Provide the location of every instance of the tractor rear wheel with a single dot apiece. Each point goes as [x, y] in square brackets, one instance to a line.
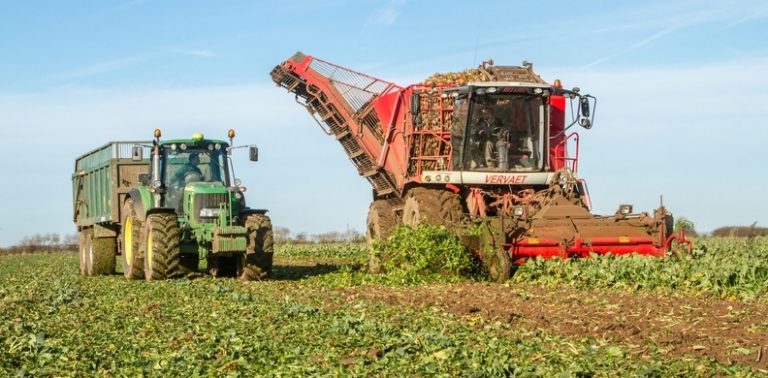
[256, 263]
[101, 257]
[499, 266]
[161, 245]
[432, 206]
[84, 250]
[130, 235]
[379, 226]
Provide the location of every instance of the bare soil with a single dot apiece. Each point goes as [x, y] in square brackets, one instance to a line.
[704, 327]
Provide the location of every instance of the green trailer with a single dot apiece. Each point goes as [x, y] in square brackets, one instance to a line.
[102, 180]
[165, 207]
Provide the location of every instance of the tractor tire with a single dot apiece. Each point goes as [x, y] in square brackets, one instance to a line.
[432, 206]
[101, 259]
[84, 250]
[130, 235]
[499, 266]
[256, 263]
[161, 245]
[379, 226]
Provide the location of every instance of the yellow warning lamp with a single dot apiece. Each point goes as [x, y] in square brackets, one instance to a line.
[557, 84]
[157, 133]
[197, 137]
[231, 135]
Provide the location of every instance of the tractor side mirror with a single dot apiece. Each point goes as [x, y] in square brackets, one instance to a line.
[253, 153]
[137, 153]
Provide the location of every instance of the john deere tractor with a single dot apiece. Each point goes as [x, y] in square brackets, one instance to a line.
[187, 208]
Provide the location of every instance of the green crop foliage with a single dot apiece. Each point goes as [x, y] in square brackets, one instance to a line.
[732, 268]
[56, 323]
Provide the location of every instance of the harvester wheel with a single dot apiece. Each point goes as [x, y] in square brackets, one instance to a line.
[132, 261]
[101, 259]
[381, 221]
[161, 246]
[499, 266]
[422, 205]
[256, 263]
[86, 244]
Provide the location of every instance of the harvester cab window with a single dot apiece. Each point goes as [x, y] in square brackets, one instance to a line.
[504, 133]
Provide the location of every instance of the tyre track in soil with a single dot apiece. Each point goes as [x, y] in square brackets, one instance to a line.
[702, 327]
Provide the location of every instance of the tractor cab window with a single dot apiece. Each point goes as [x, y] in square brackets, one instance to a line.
[504, 132]
[193, 165]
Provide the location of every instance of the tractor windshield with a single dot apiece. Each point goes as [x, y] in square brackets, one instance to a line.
[182, 167]
[498, 132]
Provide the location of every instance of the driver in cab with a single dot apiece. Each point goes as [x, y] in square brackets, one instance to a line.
[189, 172]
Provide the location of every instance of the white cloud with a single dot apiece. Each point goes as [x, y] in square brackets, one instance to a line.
[387, 14]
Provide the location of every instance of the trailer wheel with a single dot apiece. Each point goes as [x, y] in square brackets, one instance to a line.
[101, 259]
[133, 263]
[499, 266]
[85, 245]
[256, 262]
[161, 245]
[379, 225]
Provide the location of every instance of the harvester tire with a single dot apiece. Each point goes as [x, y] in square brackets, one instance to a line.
[256, 263]
[499, 266]
[101, 259]
[85, 245]
[432, 206]
[379, 226]
[161, 245]
[130, 235]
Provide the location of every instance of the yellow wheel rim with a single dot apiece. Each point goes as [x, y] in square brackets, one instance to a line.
[128, 240]
[149, 251]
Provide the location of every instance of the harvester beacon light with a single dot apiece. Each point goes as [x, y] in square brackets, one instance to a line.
[625, 209]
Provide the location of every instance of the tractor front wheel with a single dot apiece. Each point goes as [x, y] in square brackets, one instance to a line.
[256, 263]
[161, 246]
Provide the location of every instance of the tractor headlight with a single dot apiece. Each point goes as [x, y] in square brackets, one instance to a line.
[625, 209]
[238, 182]
[156, 184]
[209, 212]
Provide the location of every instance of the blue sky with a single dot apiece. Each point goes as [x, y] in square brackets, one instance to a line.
[679, 84]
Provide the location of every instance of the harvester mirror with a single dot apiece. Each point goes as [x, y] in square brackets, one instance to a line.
[585, 123]
[584, 106]
[415, 102]
[253, 153]
[137, 153]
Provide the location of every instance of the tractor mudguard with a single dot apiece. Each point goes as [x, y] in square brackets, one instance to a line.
[142, 201]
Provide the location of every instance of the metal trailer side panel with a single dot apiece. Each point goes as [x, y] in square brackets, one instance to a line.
[101, 180]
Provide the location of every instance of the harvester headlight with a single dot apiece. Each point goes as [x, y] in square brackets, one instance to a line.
[491, 90]
[625, 209]
[156, 184]
[427, 178]
[238, 182]
[447, 178]
[518, 211]
[209, 212]
[537, 90]
[438, 177]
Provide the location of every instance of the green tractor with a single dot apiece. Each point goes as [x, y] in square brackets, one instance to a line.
[189, 208]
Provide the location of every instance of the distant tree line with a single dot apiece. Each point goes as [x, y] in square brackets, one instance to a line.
[284, 235]
[50, 242]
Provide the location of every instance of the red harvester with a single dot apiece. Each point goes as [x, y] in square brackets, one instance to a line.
[484, 152]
